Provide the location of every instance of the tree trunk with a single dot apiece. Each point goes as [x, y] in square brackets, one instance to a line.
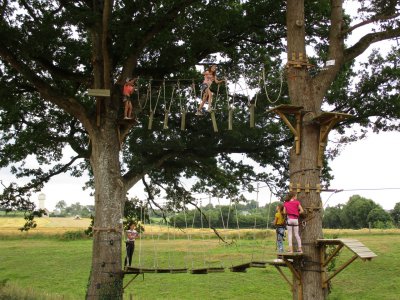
[105, 280]
[303, 167]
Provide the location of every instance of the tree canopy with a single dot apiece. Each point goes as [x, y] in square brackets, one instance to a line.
[47, 54]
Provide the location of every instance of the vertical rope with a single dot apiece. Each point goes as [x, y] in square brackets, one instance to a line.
[222, 216]
[140, 236]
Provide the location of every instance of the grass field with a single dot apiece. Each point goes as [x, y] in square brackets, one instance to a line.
[57, 269]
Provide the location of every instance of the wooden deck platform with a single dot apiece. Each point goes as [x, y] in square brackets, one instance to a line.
[353, 245]
[359, 250]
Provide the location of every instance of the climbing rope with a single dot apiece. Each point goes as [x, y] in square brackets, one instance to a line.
[280, 88]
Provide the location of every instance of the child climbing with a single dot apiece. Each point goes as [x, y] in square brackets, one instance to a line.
[128, 90]
[280, 226]
[292, 209]
[131, 235]
[209, 78]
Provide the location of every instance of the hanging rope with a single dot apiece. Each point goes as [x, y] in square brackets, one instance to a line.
[280, 88]
[148, 95]
[167, 110]
[140, 236]
[152, 111]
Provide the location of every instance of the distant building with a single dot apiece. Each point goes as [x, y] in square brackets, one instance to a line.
[41, 200]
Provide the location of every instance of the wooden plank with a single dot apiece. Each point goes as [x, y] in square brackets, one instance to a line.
[258, 264]
[99, 92]
[353, 245]
[326, 117]
[216, 270]
[277, 262]
[199, 271]
[286, 108]
[291, 254]
[240, 268]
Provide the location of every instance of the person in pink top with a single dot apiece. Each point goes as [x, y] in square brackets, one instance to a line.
[209, 77]
[292, 209]
[128, 90]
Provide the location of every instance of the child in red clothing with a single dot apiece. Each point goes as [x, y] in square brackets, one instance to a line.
[292, 208]
[128, 90]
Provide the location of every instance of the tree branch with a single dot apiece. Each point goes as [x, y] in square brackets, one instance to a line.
[160, 25]
[376, 18]
[131, 178]
[367, 40]
[47, 92]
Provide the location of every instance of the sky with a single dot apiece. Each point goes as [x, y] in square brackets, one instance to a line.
[367, 168]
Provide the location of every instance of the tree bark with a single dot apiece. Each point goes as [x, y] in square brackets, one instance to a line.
[105, 280]
[303, 167]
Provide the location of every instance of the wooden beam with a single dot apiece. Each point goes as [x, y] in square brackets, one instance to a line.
[99, 92]
[282, 111]
[327, 260]
[342, 267]
[327, 121]
[284, 276]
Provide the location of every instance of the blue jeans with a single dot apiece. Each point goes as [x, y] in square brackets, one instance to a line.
[280, 234]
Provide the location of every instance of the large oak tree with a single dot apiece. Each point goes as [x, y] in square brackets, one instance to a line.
[52, 52]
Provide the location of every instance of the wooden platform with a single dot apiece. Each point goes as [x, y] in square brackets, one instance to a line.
[258, 264]
[286, 109]
[240, 268]
[326, 117]
[138, 270]
[207, 270]
[353, 245]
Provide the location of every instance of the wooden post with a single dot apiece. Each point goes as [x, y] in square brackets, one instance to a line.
[183, 119]
[214, 121]
[150, 126]
[166, 119]
[230, 118]
[98, 93]
[252, 118]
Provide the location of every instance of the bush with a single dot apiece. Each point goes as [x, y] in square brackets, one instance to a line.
[73, 235]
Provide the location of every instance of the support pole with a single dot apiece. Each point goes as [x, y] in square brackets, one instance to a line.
[230, 118]
[150, 125]
[214, 121]
[183, 119]
[166, 119]
[252, 117]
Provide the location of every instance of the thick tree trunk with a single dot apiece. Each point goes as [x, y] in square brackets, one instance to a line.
[105, 280]
[304, 166]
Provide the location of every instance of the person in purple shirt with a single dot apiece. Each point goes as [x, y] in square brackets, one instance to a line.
[292, 209]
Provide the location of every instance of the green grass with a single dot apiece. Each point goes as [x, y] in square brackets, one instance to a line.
[56, 269]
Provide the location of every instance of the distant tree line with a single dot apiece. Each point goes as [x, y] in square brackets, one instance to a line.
[360, 212]
[357, 213]
[248, 215]
[76, 209]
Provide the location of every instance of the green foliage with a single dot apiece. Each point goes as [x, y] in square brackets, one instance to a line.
[75, 209]
[357, 213]
[73, 235]
[227, 216]
[395, 214]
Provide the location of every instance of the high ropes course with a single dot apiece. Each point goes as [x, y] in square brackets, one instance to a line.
[183, 96]
[188, 249]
